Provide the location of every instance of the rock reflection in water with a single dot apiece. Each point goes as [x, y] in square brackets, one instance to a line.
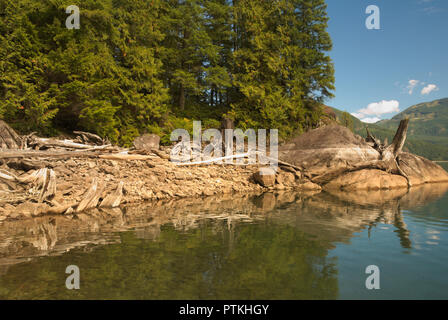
[320, 221]
[333, 216]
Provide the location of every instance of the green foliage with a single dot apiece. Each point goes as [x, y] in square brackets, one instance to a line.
[280, 66]
[347, 120]
[134, 66]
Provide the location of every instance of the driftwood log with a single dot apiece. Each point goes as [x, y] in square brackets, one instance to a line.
[89, 138]
[9, 139]
[42, 181]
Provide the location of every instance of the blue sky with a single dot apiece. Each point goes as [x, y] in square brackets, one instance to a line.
[376, 69]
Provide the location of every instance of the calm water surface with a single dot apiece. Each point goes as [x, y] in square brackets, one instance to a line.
[271, 246]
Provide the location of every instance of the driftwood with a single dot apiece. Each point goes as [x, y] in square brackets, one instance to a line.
[113, 200]
[376, 142]
[49, 189]
[9, 139]
[89, 138]
[160, 154]
[27, 154]
[124, 157]
[91, 197]
[42, 180]
[46, 143]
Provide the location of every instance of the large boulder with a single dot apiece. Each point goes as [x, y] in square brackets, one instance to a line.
[265, 177]
[421, 170]
[367, 179]
[329, 147]
[147, 142]
[335, 148]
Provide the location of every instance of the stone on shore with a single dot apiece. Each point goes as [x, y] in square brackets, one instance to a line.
[147, 142]
[367, 179]
[335, 147]
[265, 177]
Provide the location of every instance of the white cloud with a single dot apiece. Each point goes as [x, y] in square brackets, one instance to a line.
[373, 111]
[371, 120]
[382, 107]
[429, 88]
[357, 115]
[412, 85]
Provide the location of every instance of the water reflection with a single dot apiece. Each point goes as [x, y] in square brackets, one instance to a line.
[265, 246]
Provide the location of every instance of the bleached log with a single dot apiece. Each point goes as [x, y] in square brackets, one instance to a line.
[90, 137]
[49, 190]
[69, 144]
[8, 176]
[113, 200]
[91, 197]
[122, 156]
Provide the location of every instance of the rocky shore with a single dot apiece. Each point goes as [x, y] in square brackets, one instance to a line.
[42, 180]
[152, 178]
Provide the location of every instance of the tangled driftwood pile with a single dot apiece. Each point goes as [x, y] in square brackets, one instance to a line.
[34, 156]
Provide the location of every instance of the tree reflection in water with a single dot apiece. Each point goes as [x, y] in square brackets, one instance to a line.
[269, 246]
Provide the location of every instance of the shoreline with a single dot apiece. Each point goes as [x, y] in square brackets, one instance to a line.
[138, 181]
[85, 183]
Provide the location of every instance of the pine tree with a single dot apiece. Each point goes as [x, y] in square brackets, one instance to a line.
[218, 22]
[185, 49]
[281, 69]
[148, 66]
[24, 103]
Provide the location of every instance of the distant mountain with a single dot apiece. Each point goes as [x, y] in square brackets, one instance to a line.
[428, 128]
[427, 119]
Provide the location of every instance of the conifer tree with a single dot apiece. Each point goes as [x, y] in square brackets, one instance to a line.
[139, 66]
[185, 47]
[281, 68]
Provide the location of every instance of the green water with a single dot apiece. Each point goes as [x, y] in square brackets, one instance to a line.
[272, 246]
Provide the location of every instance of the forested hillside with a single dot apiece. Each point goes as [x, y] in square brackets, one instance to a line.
[425, 118]
[139, 66]
[428, 128]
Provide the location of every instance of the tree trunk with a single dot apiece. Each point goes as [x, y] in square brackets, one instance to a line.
[182, 97]
[394, 150]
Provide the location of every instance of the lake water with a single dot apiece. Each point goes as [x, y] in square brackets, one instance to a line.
[271, 246]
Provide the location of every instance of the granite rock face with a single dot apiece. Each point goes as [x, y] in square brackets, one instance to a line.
[335, 148]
